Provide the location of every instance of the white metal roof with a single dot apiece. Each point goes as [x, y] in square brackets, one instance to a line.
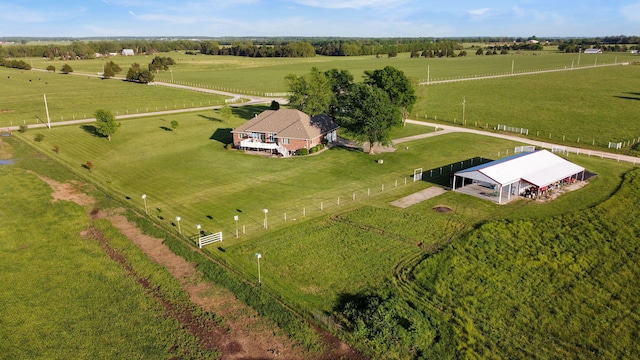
[540, 168]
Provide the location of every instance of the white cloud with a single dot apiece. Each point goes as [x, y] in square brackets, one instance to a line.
[132, 13]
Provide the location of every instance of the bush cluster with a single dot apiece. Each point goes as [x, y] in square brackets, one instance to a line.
[15, 64]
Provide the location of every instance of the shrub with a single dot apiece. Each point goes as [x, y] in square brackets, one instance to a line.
[38, 138]
[229, 146]
[23, 128]
[302, 151]
[56, 148]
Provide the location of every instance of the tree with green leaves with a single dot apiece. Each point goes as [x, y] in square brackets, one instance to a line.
[396, 85]
[66, 69]
[341, 82]
[174, 125]
[226, 112]
[111, 69]
[51, 68]
[106, 124]
[310, 93]
[161, 63]
[138, 74]
[369, 114]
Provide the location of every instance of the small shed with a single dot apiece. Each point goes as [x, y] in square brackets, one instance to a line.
[128, 52]
[519, 174]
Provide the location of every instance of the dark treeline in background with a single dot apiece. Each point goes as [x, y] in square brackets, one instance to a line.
[87, 48]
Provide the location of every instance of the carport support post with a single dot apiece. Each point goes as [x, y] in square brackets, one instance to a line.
[454, 183]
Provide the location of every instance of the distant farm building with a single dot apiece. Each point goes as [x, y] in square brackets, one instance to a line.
[593, 51]
[284, 131]
[528, 174]
[128, 52]
[634, 52]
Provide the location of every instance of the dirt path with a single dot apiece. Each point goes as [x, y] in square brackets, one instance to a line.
[244, 334]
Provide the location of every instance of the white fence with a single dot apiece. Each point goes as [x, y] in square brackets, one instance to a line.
[209, 239]
[521, 149]
[559, 149]
[513, 129]
[614, 145]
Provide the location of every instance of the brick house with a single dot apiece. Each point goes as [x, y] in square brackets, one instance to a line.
[284, 131]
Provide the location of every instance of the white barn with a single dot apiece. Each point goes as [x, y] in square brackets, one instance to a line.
[128, 52]
[519, 174]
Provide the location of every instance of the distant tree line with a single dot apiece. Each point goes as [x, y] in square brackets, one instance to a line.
[300, 47]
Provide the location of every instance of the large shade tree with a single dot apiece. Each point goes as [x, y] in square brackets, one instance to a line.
[396, 85]
[368, 113]
[310, 93]
[106, 124]
[341, 82]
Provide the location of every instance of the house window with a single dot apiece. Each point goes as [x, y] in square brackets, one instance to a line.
[272, 137]
[285, 141]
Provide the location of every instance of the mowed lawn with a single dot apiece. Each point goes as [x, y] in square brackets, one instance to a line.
[583, 106]
[188, 172]
[71, 97]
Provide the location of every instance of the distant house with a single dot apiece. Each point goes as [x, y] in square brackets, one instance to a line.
[284, 131]
[128, 52]
[113, 54]
[593, 51]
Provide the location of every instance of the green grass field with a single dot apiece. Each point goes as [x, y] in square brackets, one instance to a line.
[445, 278]
[71, 97]
[316, 258]
[541, 103]
[584, 106]
[61, 294]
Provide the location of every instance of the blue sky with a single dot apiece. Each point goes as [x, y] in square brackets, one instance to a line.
[344, 18]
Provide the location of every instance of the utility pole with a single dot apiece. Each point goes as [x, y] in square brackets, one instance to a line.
[464, 101]
[46, 107]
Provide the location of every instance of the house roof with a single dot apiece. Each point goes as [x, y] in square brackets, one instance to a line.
[540, 168]
[288, 123]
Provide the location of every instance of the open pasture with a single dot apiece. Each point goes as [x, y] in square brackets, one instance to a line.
[267, 75]
[585, 107]
[578, 108]
[73, 97]
[317, 263]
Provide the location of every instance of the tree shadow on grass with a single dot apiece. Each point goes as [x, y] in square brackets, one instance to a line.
[165, 128]
[249, 111]
[90, 129]
[631, 96]
[443, 175]
[210, 118]
[222, 135]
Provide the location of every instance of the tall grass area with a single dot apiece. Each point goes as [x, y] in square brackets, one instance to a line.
[71, 97]
[61, 294]
[559, 287]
